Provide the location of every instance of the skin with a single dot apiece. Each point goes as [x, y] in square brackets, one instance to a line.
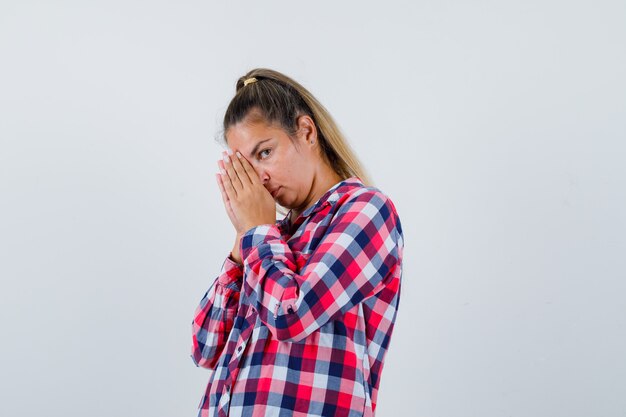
[245, 181]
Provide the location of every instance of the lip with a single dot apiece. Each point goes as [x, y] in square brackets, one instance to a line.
[274, 192]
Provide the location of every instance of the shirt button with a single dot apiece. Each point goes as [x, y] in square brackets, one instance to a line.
[239, 349]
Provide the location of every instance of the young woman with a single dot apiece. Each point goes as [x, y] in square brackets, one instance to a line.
[299, 319]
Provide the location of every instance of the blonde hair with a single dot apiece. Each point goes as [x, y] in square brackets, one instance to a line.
[277, 99]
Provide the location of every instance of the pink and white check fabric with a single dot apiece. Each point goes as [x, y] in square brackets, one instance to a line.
[303, 326]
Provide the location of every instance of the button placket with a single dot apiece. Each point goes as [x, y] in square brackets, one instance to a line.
[243, 339]
[240, 350]
[225, 397]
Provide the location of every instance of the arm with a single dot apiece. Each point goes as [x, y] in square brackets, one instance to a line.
[214, 317]
[353, 262]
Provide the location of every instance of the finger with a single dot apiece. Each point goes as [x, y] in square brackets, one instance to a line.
[232, 174]
[252, 174]
[228, 188]
[227, 206]
[240, 169]
[226, 182]
[221, 187]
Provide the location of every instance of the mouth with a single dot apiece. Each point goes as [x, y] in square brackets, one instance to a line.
[274, 192]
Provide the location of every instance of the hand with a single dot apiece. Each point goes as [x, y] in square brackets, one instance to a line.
[247, 201]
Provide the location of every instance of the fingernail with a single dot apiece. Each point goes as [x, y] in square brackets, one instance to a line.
[223, 172]
[226, 158]
[230, 151]
[238, 154]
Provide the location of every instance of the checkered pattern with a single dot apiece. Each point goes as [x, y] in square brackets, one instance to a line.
[303, 326]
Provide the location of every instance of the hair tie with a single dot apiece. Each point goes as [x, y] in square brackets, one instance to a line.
[249, 81]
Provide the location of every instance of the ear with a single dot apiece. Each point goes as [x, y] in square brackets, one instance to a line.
[307, 131]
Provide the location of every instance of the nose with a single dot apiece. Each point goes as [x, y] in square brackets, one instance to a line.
[262, 173]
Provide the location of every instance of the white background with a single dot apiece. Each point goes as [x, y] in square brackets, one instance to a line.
[497, 128]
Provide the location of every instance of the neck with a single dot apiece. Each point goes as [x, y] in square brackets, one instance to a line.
[321, 183]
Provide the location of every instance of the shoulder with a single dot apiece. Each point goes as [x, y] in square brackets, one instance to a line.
[369, 215]
[368, 200]
[365, 193]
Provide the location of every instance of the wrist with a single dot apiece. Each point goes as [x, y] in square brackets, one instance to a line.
[235, 259]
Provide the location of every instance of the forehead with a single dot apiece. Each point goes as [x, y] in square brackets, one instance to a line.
[246, 134]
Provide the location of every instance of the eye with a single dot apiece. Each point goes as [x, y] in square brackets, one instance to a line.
[264, 150]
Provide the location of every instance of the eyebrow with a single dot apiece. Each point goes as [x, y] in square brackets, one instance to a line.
[256, 147]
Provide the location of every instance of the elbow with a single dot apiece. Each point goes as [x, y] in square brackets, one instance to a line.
[203, 362]
[203, 356]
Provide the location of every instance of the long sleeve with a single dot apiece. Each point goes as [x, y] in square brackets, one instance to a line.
[214, 316]
[354, 260]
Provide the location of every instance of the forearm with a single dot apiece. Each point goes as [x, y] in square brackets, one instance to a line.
[214, 316]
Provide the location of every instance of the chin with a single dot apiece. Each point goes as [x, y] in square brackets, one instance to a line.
[281, 201]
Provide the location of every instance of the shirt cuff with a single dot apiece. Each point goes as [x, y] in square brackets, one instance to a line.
[256, 236]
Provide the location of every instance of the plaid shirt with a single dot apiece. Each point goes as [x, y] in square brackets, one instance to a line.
[303, 326]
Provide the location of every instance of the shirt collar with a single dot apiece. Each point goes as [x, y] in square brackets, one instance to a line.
[329, 197]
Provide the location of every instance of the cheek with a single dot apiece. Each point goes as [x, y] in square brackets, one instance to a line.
[259, 169]
[286, 168]
[288, 172]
